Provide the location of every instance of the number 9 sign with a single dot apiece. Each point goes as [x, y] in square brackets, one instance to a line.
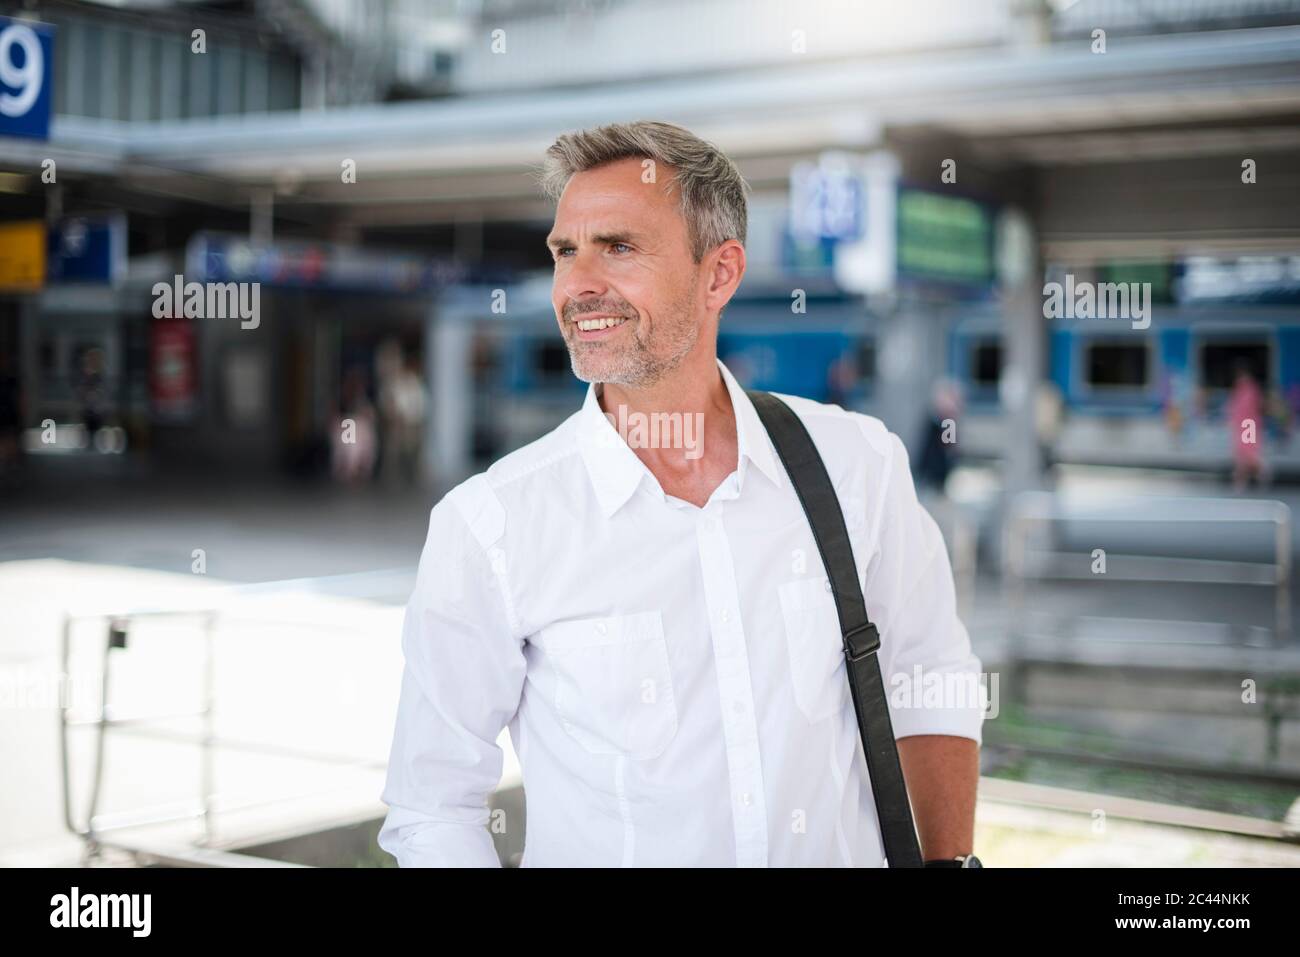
[26, 58]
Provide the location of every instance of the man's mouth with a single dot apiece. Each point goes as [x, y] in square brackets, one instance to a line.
[598, 327]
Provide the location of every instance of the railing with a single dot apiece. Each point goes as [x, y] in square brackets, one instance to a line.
[1153, 664]
[1039, 511]
[92, 825]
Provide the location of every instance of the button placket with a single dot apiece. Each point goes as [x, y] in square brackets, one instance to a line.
[740, 731]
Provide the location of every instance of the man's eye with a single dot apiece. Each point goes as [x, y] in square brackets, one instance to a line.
[620, 247]
[562, 250]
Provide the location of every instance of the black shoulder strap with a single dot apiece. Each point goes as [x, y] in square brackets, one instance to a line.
[861, 640]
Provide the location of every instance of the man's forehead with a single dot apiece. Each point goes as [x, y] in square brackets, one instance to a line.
[606, 200]
[618, 182]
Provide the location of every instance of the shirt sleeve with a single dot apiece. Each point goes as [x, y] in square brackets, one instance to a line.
[932, 677]
[461, 685]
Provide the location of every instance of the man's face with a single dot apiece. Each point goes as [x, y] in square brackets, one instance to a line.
[624, 271]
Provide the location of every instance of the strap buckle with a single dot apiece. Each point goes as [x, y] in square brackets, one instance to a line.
[861, 641]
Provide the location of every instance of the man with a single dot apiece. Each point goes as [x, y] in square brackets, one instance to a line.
[651, 619]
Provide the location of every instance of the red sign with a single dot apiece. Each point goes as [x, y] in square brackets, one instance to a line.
[173, 368]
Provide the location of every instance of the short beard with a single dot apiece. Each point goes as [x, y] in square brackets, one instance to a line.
[636, 365]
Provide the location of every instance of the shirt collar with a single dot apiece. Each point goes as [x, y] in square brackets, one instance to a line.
[615, 470]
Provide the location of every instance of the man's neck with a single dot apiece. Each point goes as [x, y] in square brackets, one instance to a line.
[695, 389]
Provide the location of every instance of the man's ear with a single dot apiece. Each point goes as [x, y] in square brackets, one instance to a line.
[726, 267]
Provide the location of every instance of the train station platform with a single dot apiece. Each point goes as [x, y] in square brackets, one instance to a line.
[311, 581]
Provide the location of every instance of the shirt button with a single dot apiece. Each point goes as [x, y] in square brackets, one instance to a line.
[600, 628]
[726, 615]
[737, 707]
[746, 800]
[828, 584]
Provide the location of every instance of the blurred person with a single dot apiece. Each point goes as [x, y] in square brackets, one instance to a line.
[938, 440]
[1048, 419]
[653, 625]
[91, 392]
[841, 377]
[413, 406]
[1245, 408]
[355, 432]
[1174, 400]
[1173, 418]
[402, 404]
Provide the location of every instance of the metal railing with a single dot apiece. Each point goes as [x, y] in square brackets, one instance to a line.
[92, 825]
[1038, 511]
[1172, 665]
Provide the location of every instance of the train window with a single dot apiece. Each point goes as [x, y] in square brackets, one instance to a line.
[1220, 359]
[986, 363]
[551, 360]
[1117, 365]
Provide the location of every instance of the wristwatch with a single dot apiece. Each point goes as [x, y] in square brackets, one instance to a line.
[965, 860]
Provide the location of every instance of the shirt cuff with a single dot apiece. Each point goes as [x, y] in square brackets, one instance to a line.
[425, 843]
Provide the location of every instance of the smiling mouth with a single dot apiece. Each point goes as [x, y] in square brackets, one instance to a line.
[603, 322]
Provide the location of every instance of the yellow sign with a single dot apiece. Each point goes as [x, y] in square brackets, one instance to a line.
[22, 256]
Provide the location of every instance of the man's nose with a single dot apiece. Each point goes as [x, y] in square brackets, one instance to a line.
[583, 278]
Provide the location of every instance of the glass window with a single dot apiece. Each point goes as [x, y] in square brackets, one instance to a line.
[986, 363]
[1117, 365]
[1220, 359]
[551, 360]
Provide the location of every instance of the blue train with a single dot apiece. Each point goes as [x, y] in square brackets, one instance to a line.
[1113, 395]
[1148, 397]
[525, 386]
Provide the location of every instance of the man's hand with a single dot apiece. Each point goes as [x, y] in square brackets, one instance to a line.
[942, 773]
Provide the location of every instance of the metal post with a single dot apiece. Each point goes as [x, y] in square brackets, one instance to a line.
[1282, 608]
[115, 638]
[64, 708]
[208, 768]
[451, 425]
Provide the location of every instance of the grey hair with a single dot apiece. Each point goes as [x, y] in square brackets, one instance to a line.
[712, 190]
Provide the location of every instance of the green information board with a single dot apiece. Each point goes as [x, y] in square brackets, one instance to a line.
[946, 238]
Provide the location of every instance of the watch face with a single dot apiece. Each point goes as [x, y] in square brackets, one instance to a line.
[971, 861]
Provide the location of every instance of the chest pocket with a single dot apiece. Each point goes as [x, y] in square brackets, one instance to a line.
[816, 649]
[613, 685]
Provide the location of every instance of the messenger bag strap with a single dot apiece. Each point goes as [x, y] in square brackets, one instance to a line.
[817, 495]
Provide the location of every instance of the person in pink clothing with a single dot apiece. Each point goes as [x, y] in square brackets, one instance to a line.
[1246, 424]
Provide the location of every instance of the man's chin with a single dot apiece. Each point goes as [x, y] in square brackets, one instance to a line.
[587, 374]
[588, 368]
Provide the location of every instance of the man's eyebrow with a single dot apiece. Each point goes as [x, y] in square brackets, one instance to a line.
[618, 236]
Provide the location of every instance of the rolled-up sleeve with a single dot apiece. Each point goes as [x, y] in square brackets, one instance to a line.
[461, 685]
[932, 677]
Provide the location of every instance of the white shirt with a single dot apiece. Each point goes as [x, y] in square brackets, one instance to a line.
[672, 676]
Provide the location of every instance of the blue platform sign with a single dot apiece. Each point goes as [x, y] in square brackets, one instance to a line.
[826, 200]
[88, 249]
[26, 78]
